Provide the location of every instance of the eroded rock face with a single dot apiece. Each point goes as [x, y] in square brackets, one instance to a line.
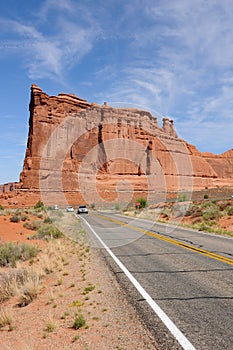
[222, 165]
[78, 151]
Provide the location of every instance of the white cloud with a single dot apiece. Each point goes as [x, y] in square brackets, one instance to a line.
[50, 51]
[175, 57]
[54, 5]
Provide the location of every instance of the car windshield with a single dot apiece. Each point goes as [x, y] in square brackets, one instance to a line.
[82, 206]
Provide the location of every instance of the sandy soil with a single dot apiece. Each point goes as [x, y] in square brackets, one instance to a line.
[12, 231]
[80, 283]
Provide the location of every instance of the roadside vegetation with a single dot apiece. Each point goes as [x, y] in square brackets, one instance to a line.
[207, 215]
[30, 271]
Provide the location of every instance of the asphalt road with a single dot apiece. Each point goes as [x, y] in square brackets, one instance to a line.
[187, 273]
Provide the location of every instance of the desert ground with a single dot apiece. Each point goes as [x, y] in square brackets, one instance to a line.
[56, 291]
[62, 296]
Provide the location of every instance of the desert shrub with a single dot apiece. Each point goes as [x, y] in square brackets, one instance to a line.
[211, 213]
[50, 326]
[142, 201]
[29, 291]
[11, 252]
[79, 321]
[47, 231]
[48, 220]
[15, 218]
[206, 204]
[1, 207]
[117, 206]
[10, 281]
[204, 227]
[14, 281]
[5, 317]
[39, 206]
[92, 205]
[24, 218]
[7, 286]
[88, 289]
[33, 225]
[229, 210]
[206, 196]
[182, 197]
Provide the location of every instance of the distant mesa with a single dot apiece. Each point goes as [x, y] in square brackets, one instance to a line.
[122, 152]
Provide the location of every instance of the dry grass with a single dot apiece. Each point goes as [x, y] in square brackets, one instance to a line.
[11, 281]
[51, 324]
[11, 252]
[26, 281]
[6, 317]
[30, 290]
[62, 269]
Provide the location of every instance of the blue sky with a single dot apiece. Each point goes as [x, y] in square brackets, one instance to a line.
[172, 57]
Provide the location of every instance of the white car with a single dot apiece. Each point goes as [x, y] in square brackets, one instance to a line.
[82, 209]
[70, 209]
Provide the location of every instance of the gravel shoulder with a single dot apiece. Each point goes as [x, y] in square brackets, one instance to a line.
[80, 283]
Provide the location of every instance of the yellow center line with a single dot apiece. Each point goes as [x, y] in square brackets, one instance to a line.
[171, 240]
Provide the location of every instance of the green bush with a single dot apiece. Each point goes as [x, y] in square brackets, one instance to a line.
[46, 232]
[142, 201]
[79, 321]
[206, 196]
[11, 252]
[207, 204]
[33, 225]
[182, 197]
[230, 210]
[1, 207]
[203, 227]
[39, 205]
[211, 213]
[117, 206]
[24, 217]
[15, 218]
[48, 220]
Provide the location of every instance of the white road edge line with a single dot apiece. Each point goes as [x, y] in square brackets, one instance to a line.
[179, 336]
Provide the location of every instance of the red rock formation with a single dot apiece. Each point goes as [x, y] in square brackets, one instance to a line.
[222, 165]
[78, 151]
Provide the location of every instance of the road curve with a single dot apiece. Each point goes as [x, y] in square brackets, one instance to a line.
[187, 273]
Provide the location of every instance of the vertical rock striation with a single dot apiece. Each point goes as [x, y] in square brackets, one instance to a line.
[95, 153]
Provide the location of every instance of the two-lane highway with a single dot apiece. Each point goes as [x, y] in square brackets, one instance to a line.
[188, 274]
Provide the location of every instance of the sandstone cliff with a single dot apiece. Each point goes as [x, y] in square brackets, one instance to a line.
[222, 165]
[78, 151]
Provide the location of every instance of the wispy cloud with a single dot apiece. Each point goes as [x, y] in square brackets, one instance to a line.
[54, 5]
[175, 57]
[49, 51]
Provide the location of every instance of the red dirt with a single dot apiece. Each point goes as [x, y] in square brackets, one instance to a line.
[112, 322]
[13, 231]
